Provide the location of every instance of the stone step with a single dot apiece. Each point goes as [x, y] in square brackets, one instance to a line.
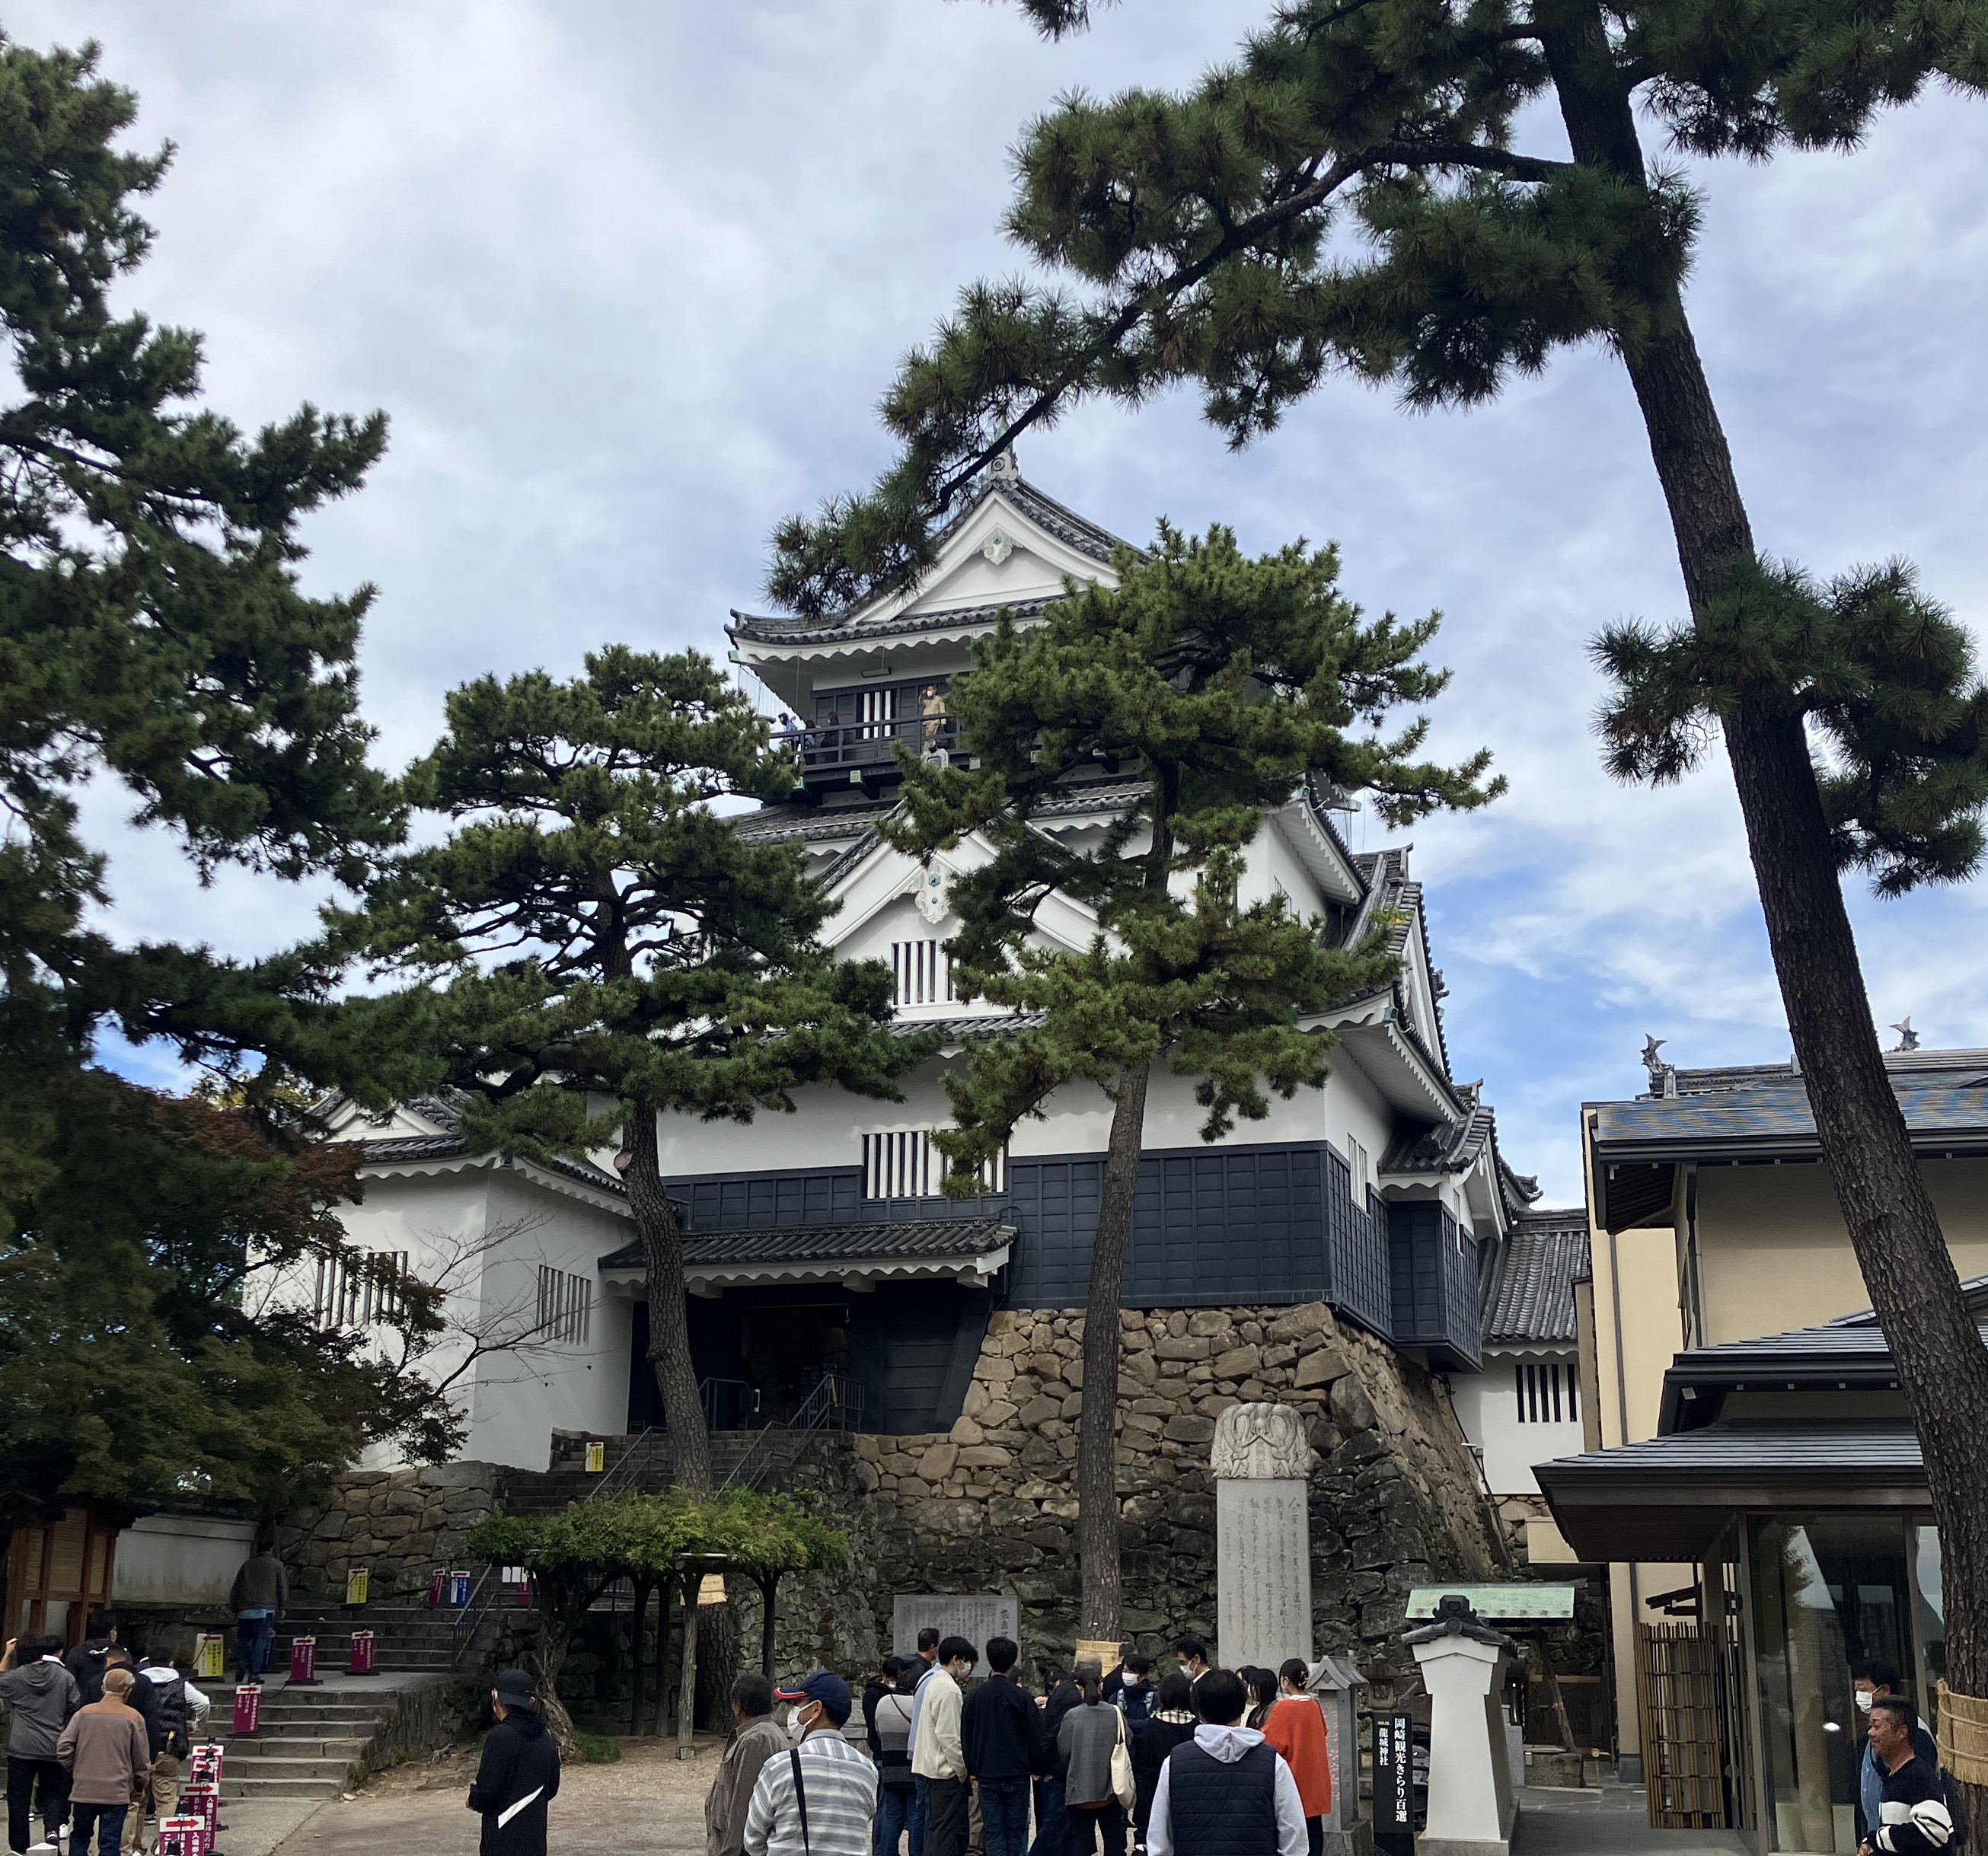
[246, 1791]
[249, 1755]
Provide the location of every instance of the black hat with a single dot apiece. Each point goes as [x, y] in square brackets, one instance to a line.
[514, 1689]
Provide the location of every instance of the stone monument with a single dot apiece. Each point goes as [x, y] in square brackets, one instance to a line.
[1472, 1804]
[1263, 1537]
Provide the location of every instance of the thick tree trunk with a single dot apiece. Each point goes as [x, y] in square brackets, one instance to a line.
[717, 1665]
[1101, 1609]
[1893, 1227]
[669, 1314]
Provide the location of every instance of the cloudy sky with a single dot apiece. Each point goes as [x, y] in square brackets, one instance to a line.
[629, 279]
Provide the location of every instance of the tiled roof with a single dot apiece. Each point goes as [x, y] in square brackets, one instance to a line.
[770, 629]
[957, 1238]
[1054, 518]
[808, 824]
[1852, 1451]
[445, 1110]
[1773, 1116]
[1529, 1295]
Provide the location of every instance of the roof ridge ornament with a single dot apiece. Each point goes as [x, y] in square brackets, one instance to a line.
[1908, 1039]
[1663, 1076]
[1004, 469]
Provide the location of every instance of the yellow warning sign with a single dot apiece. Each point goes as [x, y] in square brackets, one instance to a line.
[596, 1458]
[355, 1586]
[210, 1656]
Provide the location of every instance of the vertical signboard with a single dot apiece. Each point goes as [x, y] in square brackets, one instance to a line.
[1394, 1784]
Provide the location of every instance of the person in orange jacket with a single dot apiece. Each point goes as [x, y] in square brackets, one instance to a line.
[1296, 1726]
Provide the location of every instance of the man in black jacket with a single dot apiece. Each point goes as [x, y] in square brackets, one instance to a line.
[1914, 1819]
[997, 1732]
[519, 1775]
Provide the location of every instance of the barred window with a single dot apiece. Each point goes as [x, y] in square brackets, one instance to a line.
[346, 1298]
[905, 1164]
[566, 1305]
[922, 971]
[1547, 1394]
[1359, 1172]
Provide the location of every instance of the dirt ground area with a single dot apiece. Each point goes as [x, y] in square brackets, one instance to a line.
[648, 1801]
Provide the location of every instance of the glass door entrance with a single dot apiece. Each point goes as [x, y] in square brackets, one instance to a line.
[1832, 1594]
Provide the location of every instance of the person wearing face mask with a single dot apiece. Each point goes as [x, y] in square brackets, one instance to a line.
[817, 1799]
[1873, 1679]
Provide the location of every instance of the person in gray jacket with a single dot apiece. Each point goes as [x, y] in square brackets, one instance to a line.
[40, 1695]
[1085, 1738]
[258, 1598]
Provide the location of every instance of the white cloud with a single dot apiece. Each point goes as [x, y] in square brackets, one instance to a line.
[630, 280]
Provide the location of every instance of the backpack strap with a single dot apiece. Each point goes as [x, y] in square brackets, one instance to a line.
[800, 1798]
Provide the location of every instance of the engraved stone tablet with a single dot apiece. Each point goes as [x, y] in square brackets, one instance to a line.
[976, 1616]
[1263, 1536]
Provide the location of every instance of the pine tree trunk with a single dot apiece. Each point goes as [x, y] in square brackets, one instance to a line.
[669, 1314]
[1101, 1609]
[717, 1665]
[1894, 1228]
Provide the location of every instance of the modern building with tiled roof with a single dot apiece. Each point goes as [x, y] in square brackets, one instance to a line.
[1749, 1464]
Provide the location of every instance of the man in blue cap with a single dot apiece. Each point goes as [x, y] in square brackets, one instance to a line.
[819, 1799]
[519, 1775]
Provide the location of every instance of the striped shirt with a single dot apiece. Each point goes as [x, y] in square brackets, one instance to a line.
[840, 1785]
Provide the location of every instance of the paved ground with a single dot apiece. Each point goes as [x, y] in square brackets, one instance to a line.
[1611, 1822]
[648, 1801]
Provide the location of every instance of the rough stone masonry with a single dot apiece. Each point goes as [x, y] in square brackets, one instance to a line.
[1393, 1491]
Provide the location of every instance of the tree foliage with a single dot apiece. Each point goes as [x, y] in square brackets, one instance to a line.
[604, 945]
[1221, 686]
[1348, 194]
[596, 1543]
[154, 634]
[146, 1358]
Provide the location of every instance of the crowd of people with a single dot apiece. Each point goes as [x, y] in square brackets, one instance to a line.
[932, 1762]
[95, 1737]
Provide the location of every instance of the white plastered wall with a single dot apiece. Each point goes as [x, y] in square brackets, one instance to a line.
[1487, 1407]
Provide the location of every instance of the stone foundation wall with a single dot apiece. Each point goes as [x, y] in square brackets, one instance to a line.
[987, 1507]
[399, 1524]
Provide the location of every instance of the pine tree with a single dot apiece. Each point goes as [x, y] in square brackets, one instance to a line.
[1220, 688]
[153, 634]
[1197, 230]
[597, 928]
[153, 1346]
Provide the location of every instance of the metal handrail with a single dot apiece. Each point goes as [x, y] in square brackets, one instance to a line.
[868, 743]
[827, 1407]
[469, 1619]
[624, 1471]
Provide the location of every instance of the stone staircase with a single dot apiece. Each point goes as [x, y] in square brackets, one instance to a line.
[636, 1464]
[407, 1639]
[310, 1740]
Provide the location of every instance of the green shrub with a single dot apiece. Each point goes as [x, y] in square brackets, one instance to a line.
[597, 1749]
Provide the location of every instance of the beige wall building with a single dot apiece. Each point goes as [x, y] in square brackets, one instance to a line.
[1750, 1477]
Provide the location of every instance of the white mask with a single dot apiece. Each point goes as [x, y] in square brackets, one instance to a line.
[1864, 1699]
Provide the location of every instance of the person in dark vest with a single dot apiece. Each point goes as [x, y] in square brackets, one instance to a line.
[519, 1775]
[1226, 1792]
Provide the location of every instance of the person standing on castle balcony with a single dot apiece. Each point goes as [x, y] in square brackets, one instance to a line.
[937, 1759]
[1226, 1792]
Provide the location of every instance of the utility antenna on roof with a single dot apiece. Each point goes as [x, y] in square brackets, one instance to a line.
[1908, 1039]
